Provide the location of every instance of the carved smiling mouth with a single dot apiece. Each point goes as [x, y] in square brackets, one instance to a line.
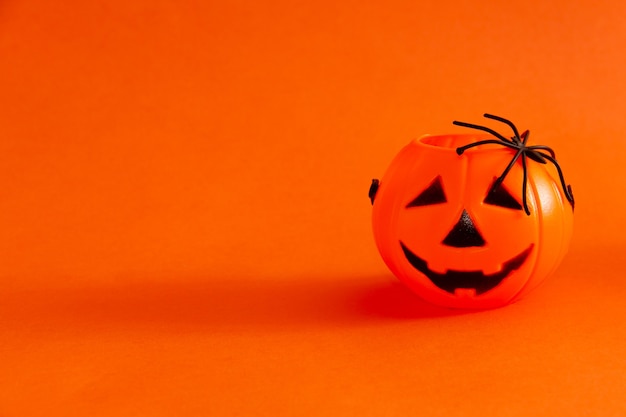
[451, 280]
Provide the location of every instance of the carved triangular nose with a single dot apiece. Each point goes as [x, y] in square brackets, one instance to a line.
[464, 233]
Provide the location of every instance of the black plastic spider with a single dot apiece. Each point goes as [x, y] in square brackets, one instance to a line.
[539, 153]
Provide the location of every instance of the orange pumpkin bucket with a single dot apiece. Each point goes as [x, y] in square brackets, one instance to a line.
[472, 220]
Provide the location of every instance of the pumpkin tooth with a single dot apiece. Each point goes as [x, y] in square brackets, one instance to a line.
[465, 292]
[491, 270]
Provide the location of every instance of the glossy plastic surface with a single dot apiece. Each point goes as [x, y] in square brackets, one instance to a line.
[463, 249]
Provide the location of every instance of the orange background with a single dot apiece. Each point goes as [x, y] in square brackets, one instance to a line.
[184, 220]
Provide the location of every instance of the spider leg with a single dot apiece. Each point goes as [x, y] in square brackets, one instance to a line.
[483, 128]
[524, 185]
[571, 193]
[508, 168]
[462, 149]
[567, 189]
[535, 156]
[503, 120]
[525, 136]
[543, 148]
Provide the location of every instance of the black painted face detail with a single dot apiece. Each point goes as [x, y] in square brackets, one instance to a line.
[499, 196]
[477, 280]
[464, 234]
[433, 194]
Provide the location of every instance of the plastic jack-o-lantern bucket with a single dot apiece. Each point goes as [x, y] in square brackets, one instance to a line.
[472, 220]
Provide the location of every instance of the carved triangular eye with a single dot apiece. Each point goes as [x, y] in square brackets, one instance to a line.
[499, 196]
[433, 194]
